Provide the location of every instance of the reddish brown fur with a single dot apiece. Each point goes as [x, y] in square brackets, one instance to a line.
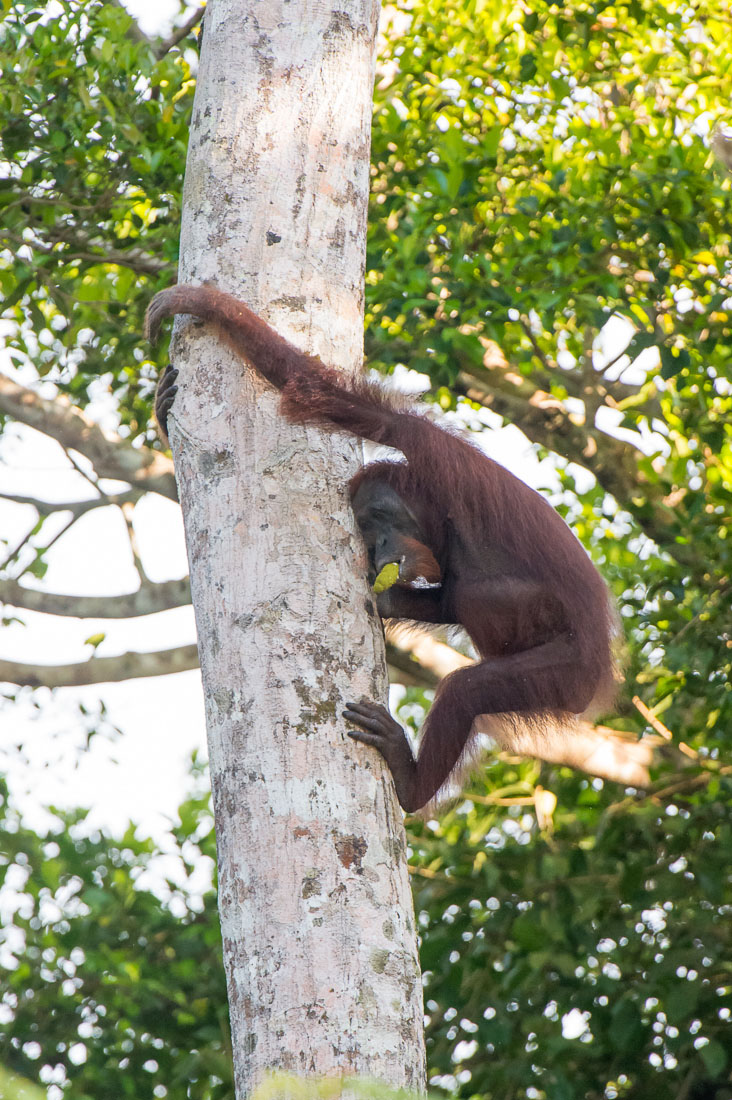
[514, 575]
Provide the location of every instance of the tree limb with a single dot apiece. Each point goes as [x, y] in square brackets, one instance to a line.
[147, 600]
[596, 750]
[80, 246]
[419, 660]
[404, 669]
[76, 507]
[134, 31]
[544, 420]
[111, 456]
[100, 670]
[180, 33]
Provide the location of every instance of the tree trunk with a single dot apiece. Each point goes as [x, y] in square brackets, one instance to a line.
[318, 926]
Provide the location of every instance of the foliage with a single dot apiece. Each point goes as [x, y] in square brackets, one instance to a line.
[541, 181]
[95, 129]
[593, 961]
[618, 922]
[109, 987]
[529, 201]
[13, 1087]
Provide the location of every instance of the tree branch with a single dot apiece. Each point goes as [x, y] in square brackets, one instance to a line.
[180, 33]
[76, 507]
[419, 660]
[147, 600]
[404, 669]
[134, 31]
[544, 420]
[79, 246]
[111, 456]
[99, 670]
[128, 511]
[596, 750]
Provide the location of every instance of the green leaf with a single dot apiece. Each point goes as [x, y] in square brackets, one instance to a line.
[714, 1057]
[626, 1029]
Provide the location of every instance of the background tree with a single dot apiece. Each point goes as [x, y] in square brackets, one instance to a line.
[111, 987]
[549, 244]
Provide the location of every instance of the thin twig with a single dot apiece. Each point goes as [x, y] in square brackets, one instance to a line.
[718, 594]
[664, 733]
[93, 481]
[136, 259]
[650, 717]
[59, 533]
[180, 33]
[127, 511]
[689, 783]
[548, 364]
[492, 800]
[78, 507]
[13, 554]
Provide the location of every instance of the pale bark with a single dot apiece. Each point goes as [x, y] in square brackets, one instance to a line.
[318, 928]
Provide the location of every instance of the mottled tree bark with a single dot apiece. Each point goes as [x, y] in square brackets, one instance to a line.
[318, 927]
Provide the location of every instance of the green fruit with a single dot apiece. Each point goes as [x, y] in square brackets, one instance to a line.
[388, 576]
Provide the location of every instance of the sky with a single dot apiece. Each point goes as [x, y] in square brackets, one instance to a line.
[140, 775]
